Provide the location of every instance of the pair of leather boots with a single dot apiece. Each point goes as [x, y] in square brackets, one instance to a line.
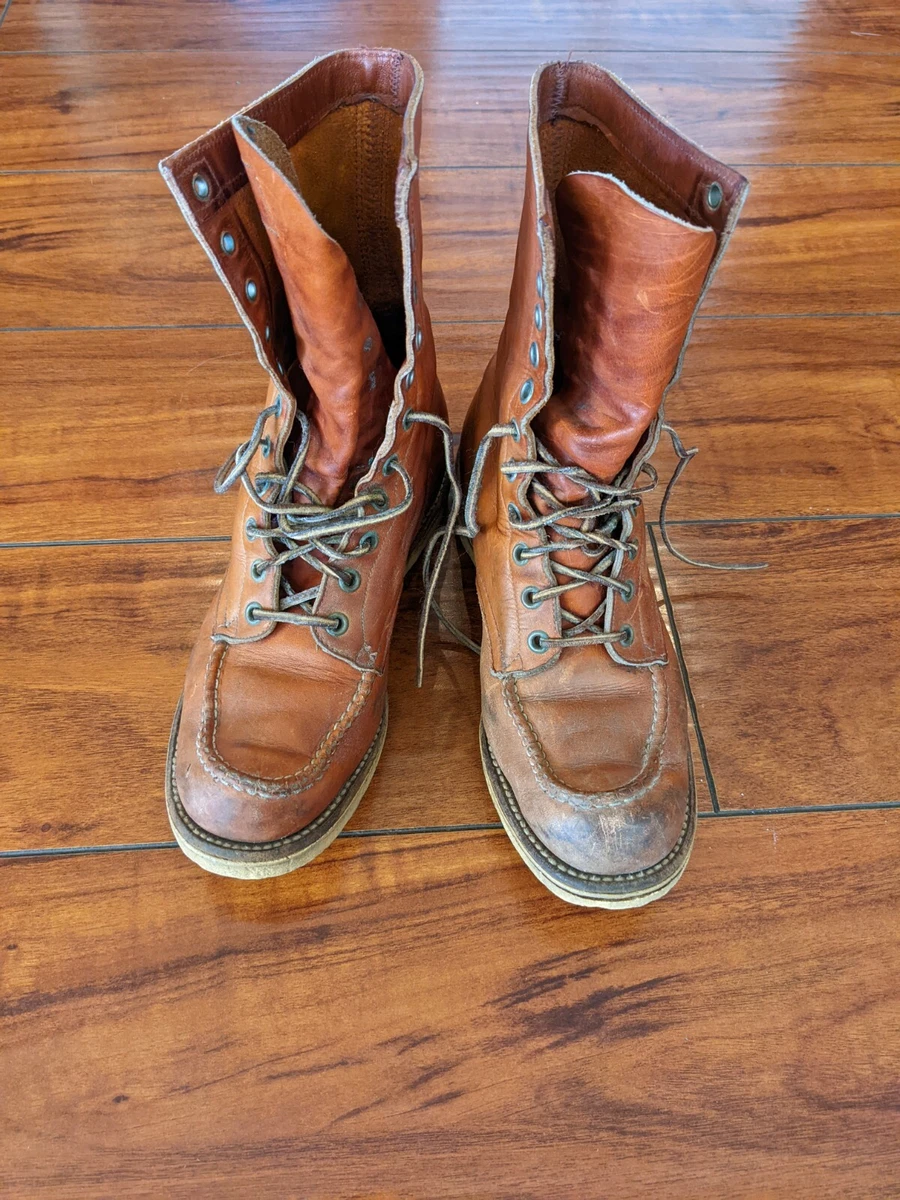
[307, 203]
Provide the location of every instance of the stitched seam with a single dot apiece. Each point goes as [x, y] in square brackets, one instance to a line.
[550, 783]
[564, 868]
[283, 786]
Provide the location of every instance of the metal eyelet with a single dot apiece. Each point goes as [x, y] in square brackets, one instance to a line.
[390, 465]
[627, 592]
[367, 346]
[526, 391]
[380, 500]
[517, 430]
[528, 598]
[251, 613]
[265, 446]
[538, 642]
[251, 291]
[418, 338]
[513, 513]
[201, 187]
[258, 569]
[368, 542]
[339, 624]
[714, 196]
[278, 405]
[251, 529]
[538, 317]
[632, 550]
[534, 354]
[415, 292]
[349, 581]
[268, 334]
[519, 554]
[410, 378]
[228, 244]
[540, 285]
[405, 420]
[626, 635]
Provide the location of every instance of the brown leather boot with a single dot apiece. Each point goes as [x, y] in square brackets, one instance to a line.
[584, 729]
[307, 202]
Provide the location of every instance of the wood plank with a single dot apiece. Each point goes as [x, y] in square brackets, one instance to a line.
[88, 713]
[117, 434]
[112, 250]
[463, 25]
[116, 111]
[794, 669]
[419, 1009]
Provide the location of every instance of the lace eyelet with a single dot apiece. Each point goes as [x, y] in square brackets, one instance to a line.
[251, 529]
[632, 550]
[266, 446]
[278, 405]
[526, 391]
[368, 542]
[534, 354]
[517, 430]
[379, 499]
[626, 635]
[405, 421]
[529, 599]
[513, 513]
[627, 593]
[390, 465]
[251, 614]
[258, 569]
[338, 624]
[349, 581]
[538, 642]
[519, 554]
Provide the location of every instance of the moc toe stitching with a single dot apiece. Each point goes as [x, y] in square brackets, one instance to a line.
[641, 785]
[285, 786]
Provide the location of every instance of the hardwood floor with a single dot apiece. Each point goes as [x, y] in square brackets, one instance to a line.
[412, 1014]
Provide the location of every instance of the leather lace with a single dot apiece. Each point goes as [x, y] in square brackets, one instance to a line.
[307, 530]
[593, 525]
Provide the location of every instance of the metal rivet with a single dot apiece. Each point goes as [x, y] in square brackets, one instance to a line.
[367, 346]
[534, 354]
[537, 641]
[338, 624]
[713, 196]
[626, 635]
[540, 285]
[201, 187]
[526, 391]
[251, 291]
[227, 242]
[538, 317]
[418, 340]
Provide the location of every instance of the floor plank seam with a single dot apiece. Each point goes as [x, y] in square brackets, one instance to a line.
[701, 742]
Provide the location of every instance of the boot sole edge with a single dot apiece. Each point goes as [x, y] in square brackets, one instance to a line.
[627, 894]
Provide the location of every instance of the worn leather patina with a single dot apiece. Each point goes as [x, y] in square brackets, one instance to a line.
[584, 716]
[307, 203]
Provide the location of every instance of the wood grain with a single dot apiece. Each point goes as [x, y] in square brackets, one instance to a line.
[794, 669]
[310, 27]
[417, 1016]
[118, 111]
[117, 434]
[113, 250]
[88, 716]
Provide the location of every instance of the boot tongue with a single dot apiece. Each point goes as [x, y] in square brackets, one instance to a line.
[635, 275]
[339, 348]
